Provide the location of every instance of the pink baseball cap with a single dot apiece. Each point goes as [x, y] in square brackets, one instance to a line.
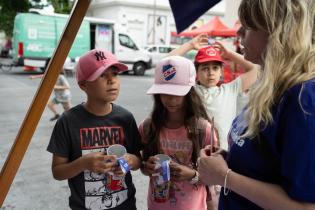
[174, 75]
[207, 54]
[92, 64]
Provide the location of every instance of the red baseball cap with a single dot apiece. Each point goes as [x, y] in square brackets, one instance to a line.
[207, 54]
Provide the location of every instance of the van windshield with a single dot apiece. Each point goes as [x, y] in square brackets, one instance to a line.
[126, 41]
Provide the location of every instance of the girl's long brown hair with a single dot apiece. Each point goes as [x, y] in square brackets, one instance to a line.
[194, 110]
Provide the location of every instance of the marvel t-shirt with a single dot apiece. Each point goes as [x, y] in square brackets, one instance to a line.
[79, 132]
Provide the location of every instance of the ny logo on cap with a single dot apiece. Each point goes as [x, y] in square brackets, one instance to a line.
[211, 52]
[100, 55]
[169, 72]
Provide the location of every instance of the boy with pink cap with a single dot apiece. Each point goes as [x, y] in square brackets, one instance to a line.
[220, 101]
[178, 127]
[82, 135]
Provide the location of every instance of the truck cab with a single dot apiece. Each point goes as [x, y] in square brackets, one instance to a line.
[137, 60]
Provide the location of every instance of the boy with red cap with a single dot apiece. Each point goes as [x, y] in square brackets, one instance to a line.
[82, 135]
[220, 101]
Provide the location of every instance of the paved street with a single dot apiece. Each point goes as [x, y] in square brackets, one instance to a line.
[33, 186]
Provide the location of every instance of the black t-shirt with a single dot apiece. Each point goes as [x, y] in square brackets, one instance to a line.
[79, 132]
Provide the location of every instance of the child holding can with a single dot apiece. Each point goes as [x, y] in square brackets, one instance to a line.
[178, 127]
[82, 135]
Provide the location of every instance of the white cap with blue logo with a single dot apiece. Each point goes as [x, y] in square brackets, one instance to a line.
[174, 75]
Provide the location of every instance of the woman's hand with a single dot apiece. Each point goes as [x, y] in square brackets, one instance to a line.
[212, 169]
[208, 150]
[180, 172]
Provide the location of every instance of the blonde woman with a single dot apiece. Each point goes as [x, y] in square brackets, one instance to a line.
[271, 162]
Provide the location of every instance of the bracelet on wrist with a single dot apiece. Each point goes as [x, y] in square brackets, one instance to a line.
[225, 189]
[195, 179]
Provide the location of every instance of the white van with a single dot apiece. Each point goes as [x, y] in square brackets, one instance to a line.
[137, 60]
[105, 35]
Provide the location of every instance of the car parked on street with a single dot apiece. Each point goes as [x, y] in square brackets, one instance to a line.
[157, 52]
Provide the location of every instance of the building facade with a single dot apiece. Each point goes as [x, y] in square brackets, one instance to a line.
[151, 21]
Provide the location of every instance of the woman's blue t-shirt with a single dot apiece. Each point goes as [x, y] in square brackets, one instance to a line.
[285, 153]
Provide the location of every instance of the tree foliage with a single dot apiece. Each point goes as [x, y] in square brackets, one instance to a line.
[8, 10]
[62, 6]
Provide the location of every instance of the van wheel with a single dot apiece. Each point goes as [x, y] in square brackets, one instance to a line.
[139, 68]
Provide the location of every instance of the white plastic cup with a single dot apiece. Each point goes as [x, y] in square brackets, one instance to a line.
[163, 157]
[116, 149]
[115, 182]
[161, 187]
[158, 164]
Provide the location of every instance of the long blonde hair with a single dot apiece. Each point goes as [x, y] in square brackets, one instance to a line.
[289, 58]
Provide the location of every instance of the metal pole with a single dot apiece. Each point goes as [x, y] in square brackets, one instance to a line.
[41, 97]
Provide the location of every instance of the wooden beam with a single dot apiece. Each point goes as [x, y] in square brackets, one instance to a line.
[41, 97]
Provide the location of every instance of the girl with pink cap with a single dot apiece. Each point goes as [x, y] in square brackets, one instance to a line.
[178, 127]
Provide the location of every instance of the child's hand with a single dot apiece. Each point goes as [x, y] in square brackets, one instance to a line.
[98, 162]
[180, 172]
[225, 53]
[133, 161]
[199, 41]
[150, 165]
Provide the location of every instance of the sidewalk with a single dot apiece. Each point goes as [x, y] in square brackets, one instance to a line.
[34, 188]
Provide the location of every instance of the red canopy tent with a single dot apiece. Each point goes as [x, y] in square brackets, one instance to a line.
[214, 27]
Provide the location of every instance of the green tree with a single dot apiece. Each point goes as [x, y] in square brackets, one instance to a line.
[62, 6]
[8, 10]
